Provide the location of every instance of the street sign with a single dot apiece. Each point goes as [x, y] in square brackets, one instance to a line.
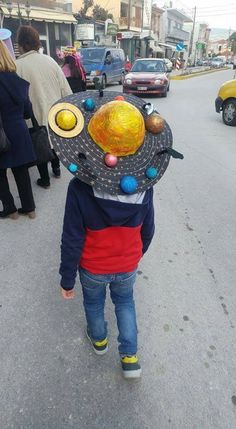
[179, 47]
[112, 29]
[200, 45]
[125, 35]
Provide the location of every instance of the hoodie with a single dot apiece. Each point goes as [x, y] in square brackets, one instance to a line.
[104, 234]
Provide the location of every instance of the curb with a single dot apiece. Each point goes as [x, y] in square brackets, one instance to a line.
[190, 75]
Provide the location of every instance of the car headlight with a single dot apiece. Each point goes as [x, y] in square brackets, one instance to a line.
[95, 73]
[128, 81]
[159, 82]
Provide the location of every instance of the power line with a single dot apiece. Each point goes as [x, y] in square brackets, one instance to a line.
[217, 14]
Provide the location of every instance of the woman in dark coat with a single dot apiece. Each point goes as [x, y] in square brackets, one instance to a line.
[14, 107]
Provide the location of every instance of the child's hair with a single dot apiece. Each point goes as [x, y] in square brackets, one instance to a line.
[7, 64]
[74, 69]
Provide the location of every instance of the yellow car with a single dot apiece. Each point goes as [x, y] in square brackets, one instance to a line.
[226, 102]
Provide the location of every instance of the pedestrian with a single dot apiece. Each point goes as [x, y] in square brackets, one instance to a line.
[74, 72]
[117, 153]
[47, 85]
[14, 107]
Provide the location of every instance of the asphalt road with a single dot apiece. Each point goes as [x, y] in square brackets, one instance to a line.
[185, 297]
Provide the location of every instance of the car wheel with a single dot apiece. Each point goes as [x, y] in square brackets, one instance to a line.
[229, 112]
[165, 93]
[168, 87]
[103, 82]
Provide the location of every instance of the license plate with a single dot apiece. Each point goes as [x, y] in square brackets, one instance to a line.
[142, 88]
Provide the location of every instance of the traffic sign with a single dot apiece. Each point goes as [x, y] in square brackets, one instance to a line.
[179, 47]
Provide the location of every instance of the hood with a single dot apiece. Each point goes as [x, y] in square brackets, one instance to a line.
[113, 209]
[88, 67]
[145, 76]
[16, 86]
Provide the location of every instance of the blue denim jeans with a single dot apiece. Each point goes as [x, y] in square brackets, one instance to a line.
[121, 289]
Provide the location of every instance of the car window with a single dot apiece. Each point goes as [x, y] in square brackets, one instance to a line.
[148, 66]
[92, 55]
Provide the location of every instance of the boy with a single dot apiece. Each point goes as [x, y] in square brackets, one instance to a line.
[109, 215]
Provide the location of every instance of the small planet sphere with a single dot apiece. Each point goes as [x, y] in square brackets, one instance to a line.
[154, 123]
[66, 120]
[110, 160]
[128, 184]
[119, 97]
[89, 104]
[73, 168]
[151, 172]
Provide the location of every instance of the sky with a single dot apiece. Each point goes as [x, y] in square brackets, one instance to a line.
[217, 13]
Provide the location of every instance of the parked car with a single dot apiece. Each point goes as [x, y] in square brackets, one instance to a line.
[217, 62]
[147, 76]
[226, 102]
[106, 64]
[169, 64]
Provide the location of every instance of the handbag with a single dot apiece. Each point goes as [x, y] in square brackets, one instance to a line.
[5, 143]
[40, 140]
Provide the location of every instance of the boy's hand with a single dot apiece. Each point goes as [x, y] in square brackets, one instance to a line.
[68, 294]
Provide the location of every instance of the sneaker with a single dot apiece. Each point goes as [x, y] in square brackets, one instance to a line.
[43, 184]
[130, 367]
[100, 347]
[56, 172]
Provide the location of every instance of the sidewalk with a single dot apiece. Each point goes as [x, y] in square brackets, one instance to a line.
[193, 72]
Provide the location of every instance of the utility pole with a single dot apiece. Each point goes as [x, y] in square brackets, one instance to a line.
[192, 33]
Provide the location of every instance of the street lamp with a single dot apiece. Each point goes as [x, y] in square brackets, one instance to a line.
[27, 10]
[9, 7]
[19, 14]
[1, 17]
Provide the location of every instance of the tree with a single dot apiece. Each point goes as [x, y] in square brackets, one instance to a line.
[232, 39]
[101, 14]
[82, 13]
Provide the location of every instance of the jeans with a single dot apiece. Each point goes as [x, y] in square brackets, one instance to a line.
[22, 178]
[43, 168]
[121, 290]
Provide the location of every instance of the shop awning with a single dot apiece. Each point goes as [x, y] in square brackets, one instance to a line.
[37, 14]
[166, 45]
[157, 49]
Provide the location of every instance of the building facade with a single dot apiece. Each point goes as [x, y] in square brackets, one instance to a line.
[54, 22]
[138, 22]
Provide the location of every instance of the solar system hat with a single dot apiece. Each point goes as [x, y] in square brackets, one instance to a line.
[116, 143]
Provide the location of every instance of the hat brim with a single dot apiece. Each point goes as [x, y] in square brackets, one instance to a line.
[82, 152]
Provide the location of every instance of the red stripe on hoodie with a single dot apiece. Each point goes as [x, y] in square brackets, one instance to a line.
[114, 249]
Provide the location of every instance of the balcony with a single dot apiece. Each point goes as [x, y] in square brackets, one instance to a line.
[178, 34]
[135, 23]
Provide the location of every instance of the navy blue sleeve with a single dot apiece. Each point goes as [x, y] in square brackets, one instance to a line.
[148, 226]
[73, 236]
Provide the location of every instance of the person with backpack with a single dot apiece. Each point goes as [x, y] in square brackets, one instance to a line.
[74, 73]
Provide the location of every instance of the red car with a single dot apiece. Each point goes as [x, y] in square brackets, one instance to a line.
[147, 76]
